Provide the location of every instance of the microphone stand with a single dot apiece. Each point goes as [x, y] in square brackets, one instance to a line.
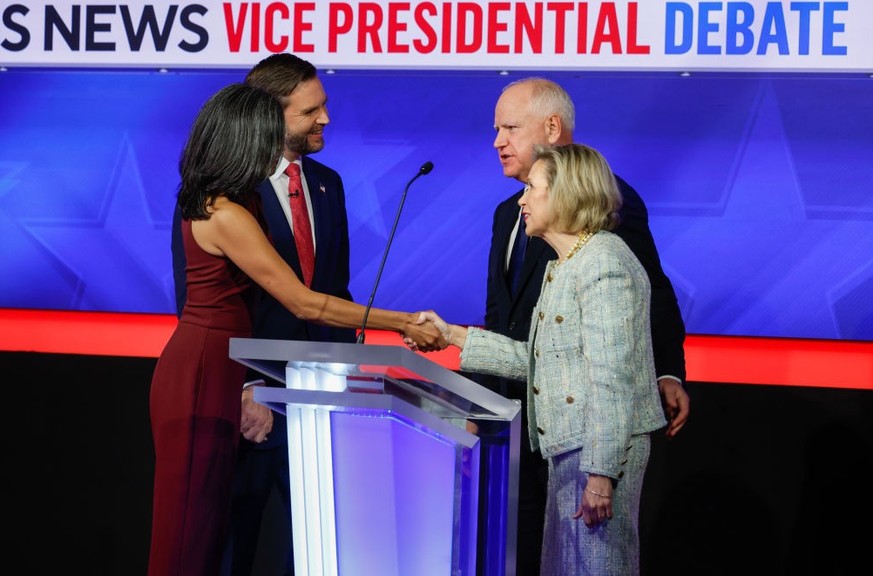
[425, 169]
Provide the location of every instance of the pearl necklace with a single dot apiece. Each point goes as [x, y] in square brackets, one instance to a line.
[580, 242]
[584, 237]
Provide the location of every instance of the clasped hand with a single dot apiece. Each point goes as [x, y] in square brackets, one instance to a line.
[256, 420]
[428, 333]
[595, 506]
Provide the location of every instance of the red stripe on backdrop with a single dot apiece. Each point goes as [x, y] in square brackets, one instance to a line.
[728, 359]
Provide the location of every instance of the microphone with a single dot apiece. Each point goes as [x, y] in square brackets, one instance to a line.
[423, 171]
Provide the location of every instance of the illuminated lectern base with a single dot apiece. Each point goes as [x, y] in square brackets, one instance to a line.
[384, 474]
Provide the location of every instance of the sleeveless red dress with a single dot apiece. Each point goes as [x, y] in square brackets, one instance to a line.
[195, 415]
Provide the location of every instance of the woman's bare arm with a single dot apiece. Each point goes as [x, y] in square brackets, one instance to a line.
[234, 233]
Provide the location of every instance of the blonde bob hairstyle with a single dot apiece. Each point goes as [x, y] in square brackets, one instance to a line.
[582, 188]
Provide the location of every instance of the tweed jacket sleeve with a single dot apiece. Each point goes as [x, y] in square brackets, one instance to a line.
[491, 353]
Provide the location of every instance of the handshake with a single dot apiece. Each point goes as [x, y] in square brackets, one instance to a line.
[427, 332]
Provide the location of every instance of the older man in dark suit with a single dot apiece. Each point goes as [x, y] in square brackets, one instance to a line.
[535, 112]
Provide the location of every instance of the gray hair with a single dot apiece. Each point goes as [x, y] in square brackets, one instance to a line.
[547, 98]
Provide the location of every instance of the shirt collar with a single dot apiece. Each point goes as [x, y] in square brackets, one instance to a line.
[283, 163]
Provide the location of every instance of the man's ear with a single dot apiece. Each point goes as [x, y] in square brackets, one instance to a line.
[553, 128]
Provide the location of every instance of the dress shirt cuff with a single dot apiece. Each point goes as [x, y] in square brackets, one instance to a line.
[258, 382]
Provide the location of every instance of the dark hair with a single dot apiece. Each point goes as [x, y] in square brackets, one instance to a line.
[280, 74]
[235, 143]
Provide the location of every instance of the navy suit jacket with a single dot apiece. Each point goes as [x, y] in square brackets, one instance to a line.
[511, 316]
[331, 275]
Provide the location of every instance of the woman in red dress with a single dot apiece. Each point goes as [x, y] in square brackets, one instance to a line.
[235, 143]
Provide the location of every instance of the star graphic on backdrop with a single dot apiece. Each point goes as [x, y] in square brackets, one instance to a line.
[121, 256]
[11, 174]
[758, 255]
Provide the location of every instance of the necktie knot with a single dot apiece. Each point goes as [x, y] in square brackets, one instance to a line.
[294, 184]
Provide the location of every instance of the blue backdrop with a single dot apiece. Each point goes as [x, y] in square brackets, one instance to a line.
[759, 187]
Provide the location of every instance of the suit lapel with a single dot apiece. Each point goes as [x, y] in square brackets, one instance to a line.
[277, 223]
[506, 233]
[536, 249]
[506, 222]
[318, 196]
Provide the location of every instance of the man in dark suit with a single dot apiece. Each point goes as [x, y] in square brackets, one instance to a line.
[536, 112]
[263, 455]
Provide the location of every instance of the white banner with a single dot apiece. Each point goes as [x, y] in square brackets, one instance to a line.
[754, 35]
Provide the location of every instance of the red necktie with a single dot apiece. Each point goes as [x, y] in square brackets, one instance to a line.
[300, 221]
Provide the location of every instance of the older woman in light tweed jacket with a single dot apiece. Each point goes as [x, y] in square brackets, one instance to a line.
[592, 392]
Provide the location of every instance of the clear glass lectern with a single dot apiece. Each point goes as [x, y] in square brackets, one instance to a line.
[398, 465]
